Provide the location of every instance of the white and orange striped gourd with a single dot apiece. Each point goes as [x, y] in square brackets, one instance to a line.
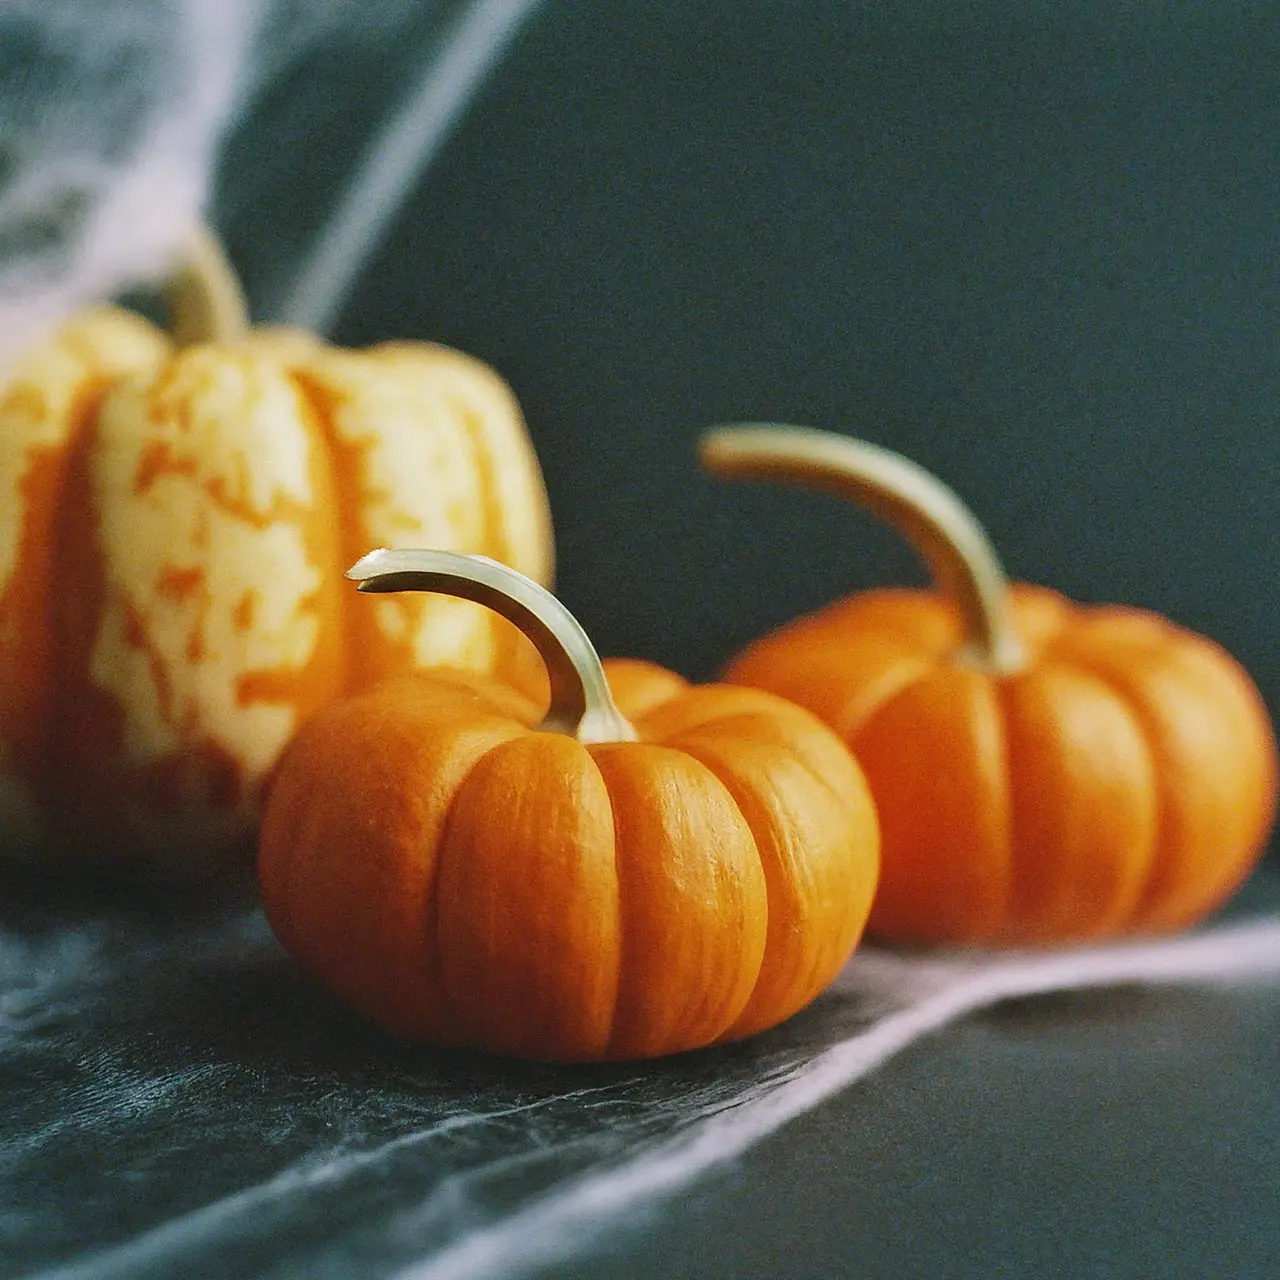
[175, 517]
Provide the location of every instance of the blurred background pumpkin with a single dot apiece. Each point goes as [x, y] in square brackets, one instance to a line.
[176, 519]
[1044, 773]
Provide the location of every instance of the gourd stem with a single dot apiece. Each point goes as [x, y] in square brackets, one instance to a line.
[205, 300]
[928, 514]
[581, 704]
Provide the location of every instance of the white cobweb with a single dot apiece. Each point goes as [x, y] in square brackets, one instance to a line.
[112, 113]
[405, 1164]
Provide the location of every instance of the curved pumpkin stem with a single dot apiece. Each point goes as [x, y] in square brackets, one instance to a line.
[206, 302]
[928, 514]
[581, 704]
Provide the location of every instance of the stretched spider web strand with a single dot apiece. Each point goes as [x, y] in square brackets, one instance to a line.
[110, 115]
[882, 1003]
[566, 1220]
[407, 144]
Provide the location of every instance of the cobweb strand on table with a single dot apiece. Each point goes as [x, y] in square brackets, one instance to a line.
[215, 1110]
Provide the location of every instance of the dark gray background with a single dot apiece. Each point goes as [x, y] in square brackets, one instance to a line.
[1033, 245]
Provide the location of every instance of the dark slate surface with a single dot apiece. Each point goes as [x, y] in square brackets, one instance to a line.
[179, 1101]
[1124, 1135]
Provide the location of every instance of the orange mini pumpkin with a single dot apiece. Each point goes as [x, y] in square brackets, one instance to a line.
[572, 887]
[1043, 772]
[172, 523]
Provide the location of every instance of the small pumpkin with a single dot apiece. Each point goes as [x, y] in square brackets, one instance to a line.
[1044, 772]
[173, 517]
[573, 886]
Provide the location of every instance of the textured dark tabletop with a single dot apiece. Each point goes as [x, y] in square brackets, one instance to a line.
[179, 1101]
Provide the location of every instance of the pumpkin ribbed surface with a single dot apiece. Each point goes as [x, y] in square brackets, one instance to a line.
[171, 550]
[461, 877]
[1123, 780]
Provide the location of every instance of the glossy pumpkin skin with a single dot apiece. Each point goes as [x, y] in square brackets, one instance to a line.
[464, 879]
[173, 526]
[1123, 782]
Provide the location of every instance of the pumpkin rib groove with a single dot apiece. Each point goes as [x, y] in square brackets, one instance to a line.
[341, 460]
[497, 441]
[573, 979]
[1160, 893]
[28, 642]
[46, 407]
[485, 445]
[782, 665]
[803, 983]
[504, 637]
[1133, 919]
[887, 688]
[76, 540]
[432, 415]
[623, 931]
[492, 436]
[718, 726]
[431, 922]
[954, 714]
[771, 907]
[345, 461]
[1005, 799]
[39, 552]
[618, 904]
[1053, 804]
[710, 1003]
